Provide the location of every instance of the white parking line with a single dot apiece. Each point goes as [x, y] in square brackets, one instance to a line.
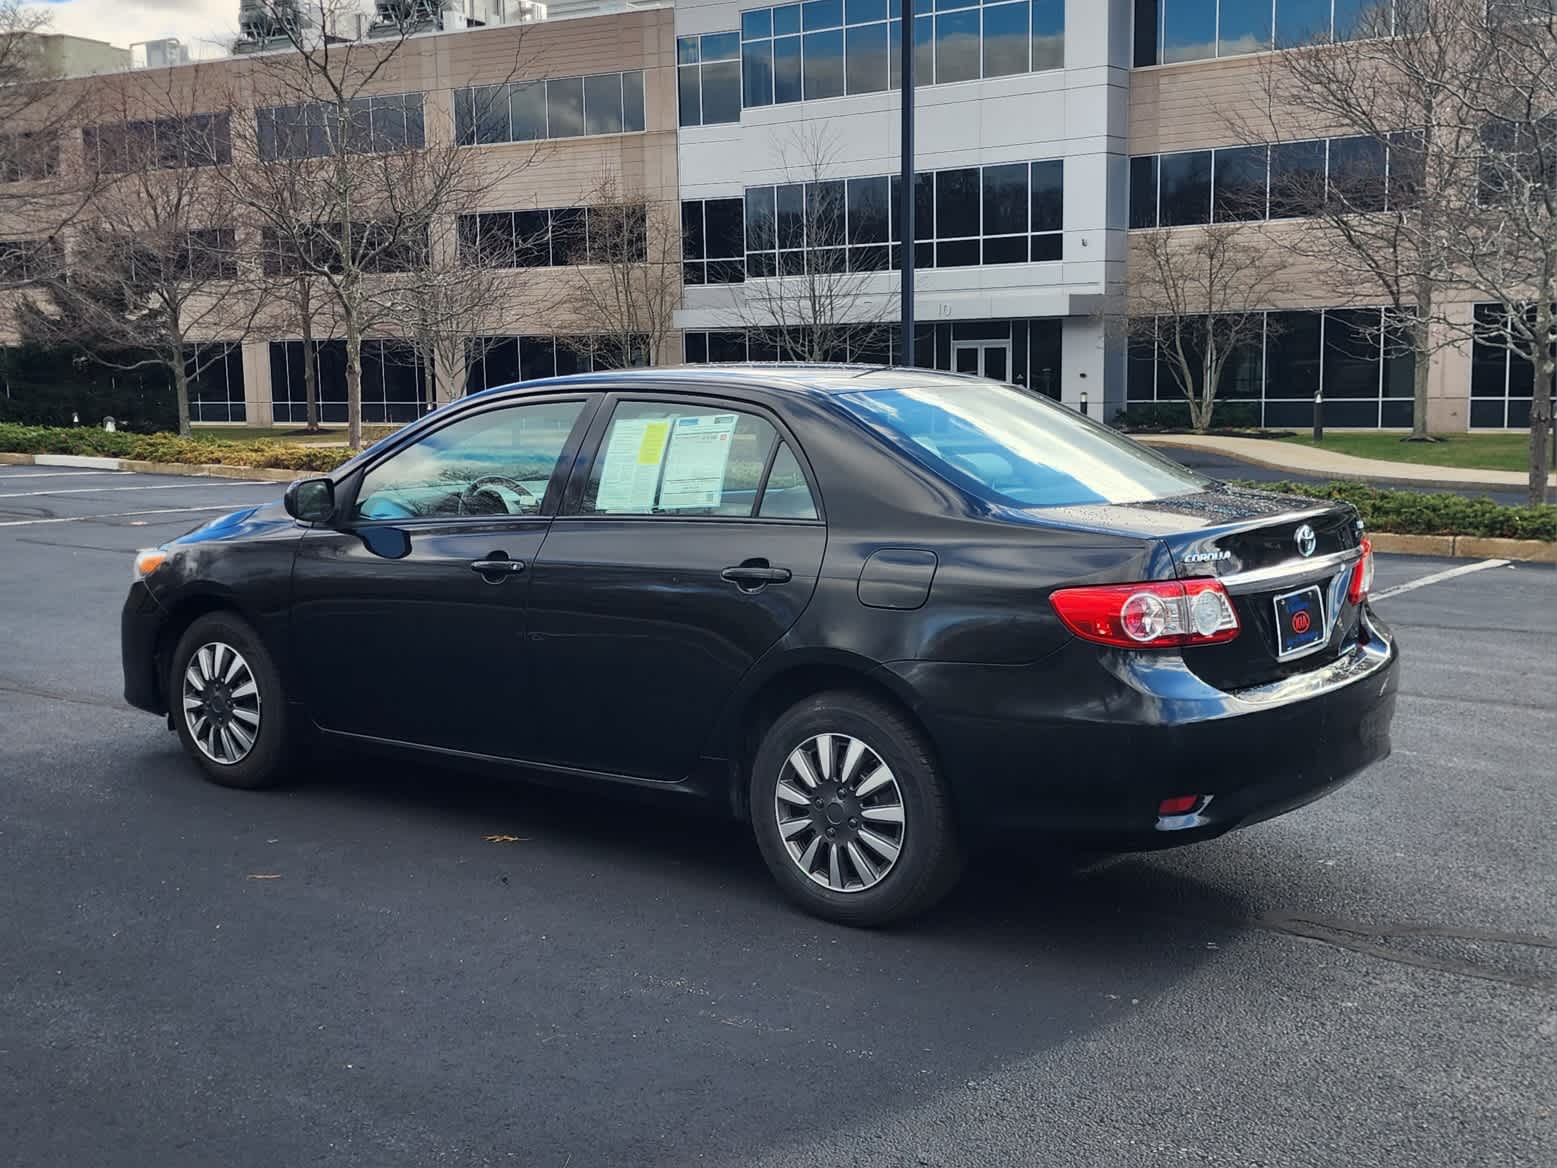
[119, 515]
[155, 487]
[1438, 578]
[65, 474]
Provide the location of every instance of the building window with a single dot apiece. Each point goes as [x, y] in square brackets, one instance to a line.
[550, 237]
[561, 107]
[372, 125]
[23, 261]
[208, 253]
[215, 372]
[379, 247]
[1012, 213]
[159, 144]
[827, 48]
[708, 78]
[28, 157]
[1287, 180]
[1357, 356]
[494, 361]
[396, 385]
[1502, 380]
[713, 241]
[1192, 30]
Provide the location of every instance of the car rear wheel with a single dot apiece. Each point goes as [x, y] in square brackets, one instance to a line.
[227, 703]
[849, 812]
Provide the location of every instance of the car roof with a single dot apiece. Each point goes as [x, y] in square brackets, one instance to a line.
[790, 377]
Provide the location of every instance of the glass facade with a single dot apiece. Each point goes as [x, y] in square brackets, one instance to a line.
[159, 144]
[1283, 181]
[215, 372]
[546, 237]
[396, 386]
[25, 260]
[1167, 31]
[1363, 367]
[1029, 348]
[828, 48]
[560, 107]
[374, 125]
[492, 361]
[1502, 381]
[1008, 213]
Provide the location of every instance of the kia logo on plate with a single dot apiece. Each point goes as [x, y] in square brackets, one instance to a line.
[1300, 622]
[1306, 540]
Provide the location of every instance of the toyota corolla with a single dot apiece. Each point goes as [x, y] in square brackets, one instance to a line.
[882, 616]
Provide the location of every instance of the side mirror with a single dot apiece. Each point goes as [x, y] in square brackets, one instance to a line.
[310, 500]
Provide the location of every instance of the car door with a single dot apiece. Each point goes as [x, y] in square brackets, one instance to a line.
[408, 614]
[689, 543]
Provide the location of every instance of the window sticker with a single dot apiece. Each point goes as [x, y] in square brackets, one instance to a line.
[695, 466]
[632, 465]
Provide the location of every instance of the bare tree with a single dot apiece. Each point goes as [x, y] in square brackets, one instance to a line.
[823, 299]
[1382, 210]
[629, 286]
[154, 266]
[1197, 298]
[1506, 253]
[452, 304]
[346, 182]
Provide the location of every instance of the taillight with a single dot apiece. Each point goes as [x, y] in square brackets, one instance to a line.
[1362, 575]
[1149, 616]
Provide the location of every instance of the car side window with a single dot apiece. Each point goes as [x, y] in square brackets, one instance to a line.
[498, 462]
[787, 496]
[659, 458]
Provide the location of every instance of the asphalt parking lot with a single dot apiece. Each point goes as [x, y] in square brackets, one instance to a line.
[405, 966]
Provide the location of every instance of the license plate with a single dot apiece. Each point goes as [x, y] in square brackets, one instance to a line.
[1300, 621]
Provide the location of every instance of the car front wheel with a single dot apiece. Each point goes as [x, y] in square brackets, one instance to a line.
[227, 703]
[850, 813]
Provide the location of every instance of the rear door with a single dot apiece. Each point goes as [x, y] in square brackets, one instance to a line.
[689, 543]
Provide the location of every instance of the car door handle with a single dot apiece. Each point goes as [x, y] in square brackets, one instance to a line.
[498, 566]
[752, 576]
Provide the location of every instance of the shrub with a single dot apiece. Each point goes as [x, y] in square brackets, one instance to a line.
[1175, 416]
[89, 440]
[1415, 513]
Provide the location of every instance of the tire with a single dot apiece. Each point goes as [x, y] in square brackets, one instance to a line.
[224, 759]
[856, 807]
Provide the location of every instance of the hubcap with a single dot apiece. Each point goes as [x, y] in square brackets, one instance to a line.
[840, 812]
[221, 703]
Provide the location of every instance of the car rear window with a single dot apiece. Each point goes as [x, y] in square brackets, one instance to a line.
[1015, 448]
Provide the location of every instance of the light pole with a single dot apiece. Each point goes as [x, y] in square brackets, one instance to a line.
[906, 194]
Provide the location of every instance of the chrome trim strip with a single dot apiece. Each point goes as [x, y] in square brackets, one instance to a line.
[1362, 661]
[1291, 573]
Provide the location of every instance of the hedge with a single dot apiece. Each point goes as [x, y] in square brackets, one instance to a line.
[90, 440]
[1148, 416]
[1416, 513]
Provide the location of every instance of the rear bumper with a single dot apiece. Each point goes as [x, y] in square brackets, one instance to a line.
[1066, 748]
[139, 624]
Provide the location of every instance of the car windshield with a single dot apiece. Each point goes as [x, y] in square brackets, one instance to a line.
[1014, 448]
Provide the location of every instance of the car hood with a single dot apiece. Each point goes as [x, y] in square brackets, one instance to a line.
[245, 523]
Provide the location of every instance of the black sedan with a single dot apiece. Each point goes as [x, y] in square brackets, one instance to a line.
[884, 615]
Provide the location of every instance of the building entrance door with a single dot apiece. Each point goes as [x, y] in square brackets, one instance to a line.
[985, 358]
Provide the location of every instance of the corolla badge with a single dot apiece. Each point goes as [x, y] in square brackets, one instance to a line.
[1306, 540]
[1209, 557]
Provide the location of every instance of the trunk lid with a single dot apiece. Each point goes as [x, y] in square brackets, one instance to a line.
[1265, 548]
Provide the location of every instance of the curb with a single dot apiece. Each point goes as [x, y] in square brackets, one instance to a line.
[1466, 547]
[211, 470]
[1458, 486]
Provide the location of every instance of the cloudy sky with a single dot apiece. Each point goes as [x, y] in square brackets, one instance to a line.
[205, 25]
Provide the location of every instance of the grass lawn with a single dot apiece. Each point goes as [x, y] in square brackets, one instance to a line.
[329, 435]
[1478, 451]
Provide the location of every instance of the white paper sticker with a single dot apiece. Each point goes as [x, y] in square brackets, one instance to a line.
[632, 466]
[695, 464]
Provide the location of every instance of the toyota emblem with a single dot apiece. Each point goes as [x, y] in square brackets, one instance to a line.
[1306, 540]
